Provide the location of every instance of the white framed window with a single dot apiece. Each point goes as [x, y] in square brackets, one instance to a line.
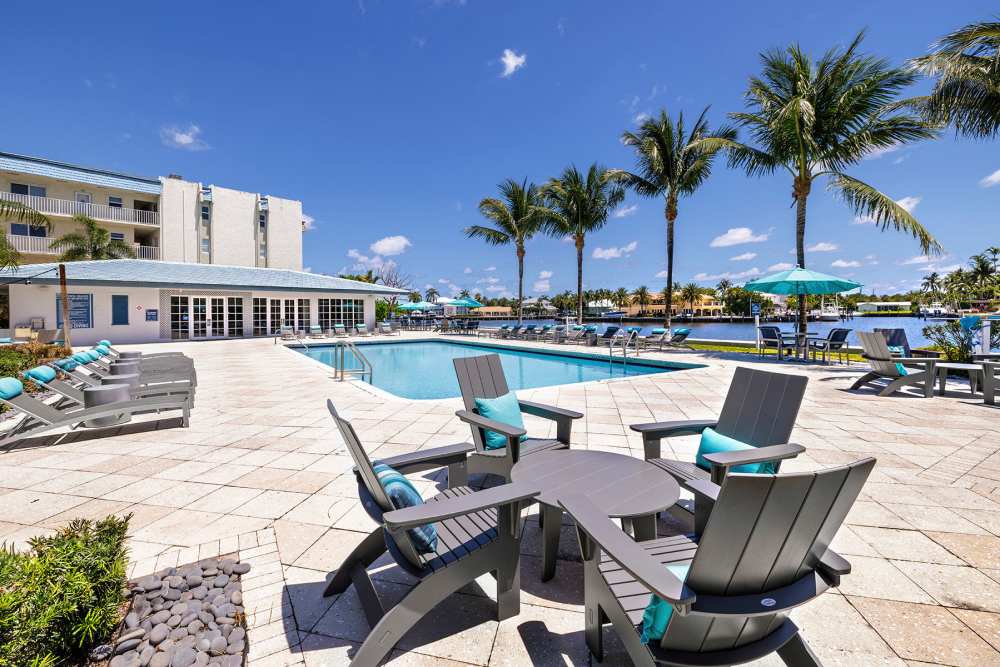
[27, 189]
[117, 236]
[82, 197]
[206, 246]
[23, 229]
[114, 202]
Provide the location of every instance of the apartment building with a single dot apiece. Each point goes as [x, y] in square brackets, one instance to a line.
[165, 218]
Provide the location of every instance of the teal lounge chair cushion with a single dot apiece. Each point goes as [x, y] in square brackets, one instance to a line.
[713, 442]
[67, 364]
[102, 350]
[81, 358]
[504, 409]
[105, 342]
[10, 388]
[402, 493]
[681, 332]
[898, 349]
[92, 355]
[41, 374]
[658, 331]
[658, 612]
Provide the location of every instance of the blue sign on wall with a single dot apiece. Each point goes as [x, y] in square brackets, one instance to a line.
[81, 311]
[755, 309]
[152, 315]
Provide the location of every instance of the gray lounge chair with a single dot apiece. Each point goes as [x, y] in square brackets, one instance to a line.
[40, 417]
[316, 331]
[288, 333]
[482, 377]
[362, 329]
[136, 354]
[339, 330]
[477, 533]
[386, 329]
[764, 551]
[897, 338]
[678, 339]
[884, 366]
[48, 377]
[835, 342]
[760, 410]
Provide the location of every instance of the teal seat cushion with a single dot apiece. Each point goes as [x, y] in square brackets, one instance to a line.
[504, 409]
[41, 374]
[681, 332]
[81, 358]
[10, 388]
[402, 493]
[659, 331]
[713, 442]
[92, 355]
[102, 350]
[67, 364]
[898, 349]
[658, 612]
[104, 342]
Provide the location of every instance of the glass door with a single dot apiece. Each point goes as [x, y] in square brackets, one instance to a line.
[179, 318]
[218, 317]
[235, 316]
[199, 317]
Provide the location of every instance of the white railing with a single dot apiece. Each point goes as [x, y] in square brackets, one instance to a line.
[42, 245]
[50, 206]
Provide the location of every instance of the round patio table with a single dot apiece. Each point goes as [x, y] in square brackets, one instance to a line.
[623, 486]
[973, 371]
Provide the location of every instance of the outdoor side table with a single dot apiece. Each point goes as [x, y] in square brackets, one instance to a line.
[106, 395]
[623, 486]
[973, 370]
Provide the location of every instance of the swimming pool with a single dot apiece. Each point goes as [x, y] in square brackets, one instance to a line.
[423, 369]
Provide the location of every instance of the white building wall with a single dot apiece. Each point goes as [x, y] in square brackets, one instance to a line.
[179, 203]
[284, 243]
[233, 219]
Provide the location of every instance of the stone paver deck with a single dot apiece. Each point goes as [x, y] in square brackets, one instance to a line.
[262, 472]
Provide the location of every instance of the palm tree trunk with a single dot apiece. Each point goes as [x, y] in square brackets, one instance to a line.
[520, 283]
[671, 216]
[579, 278]
[801, 193]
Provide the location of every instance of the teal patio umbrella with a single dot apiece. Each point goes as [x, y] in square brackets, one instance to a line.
[466, 302]
[799, 281]
[419, 305]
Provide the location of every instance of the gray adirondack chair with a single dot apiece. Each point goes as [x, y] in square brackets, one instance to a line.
[883, 367]
[764, 552]
[478, 532]
[760, 410]
[482, 377]
[991, 380]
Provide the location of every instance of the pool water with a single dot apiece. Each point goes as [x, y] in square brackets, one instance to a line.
[423, 369]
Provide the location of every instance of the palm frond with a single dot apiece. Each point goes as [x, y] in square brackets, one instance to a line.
[23, 213]
[488, 234]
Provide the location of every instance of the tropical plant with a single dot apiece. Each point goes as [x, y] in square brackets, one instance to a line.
[516, 217]
[91, 242]
[578, 204]
[816, 120]
[415, 297]
[366, 277]
[672, 162]
[956, 342]
[966, 94]
[640, 297]
[722, 290]
[931, 283]
[10, 258]
[432, 294]
[691, 293]
[620, 297]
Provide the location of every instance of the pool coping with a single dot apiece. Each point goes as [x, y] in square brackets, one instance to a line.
[371, 388]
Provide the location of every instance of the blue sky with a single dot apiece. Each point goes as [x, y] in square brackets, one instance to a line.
[393, 119]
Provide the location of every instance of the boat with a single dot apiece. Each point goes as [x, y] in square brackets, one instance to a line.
[826, 312]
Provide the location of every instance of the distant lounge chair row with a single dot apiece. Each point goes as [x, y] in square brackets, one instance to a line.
[760, 548]
[316, 332]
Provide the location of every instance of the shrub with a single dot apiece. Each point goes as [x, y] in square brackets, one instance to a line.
[64, 595]
[957, 343]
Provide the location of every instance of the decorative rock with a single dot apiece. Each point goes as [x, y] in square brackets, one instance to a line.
[178, 633]
[101, 652]
[160, 616]
[203, 644]
[131, 620]
[159, 633]
[236, 648]
[225, 620]
[126, 646]
[210, 571]
[236, 597]
[167, 646]
[220, 581]
[194, 627]
[238, 634]
[146, 655]
[135, 633]
[205, 617]
[174, 621]
[183, 658]
[193, 580]
[227, 565]
[188, 618]
[218, 646]
[232, 661]
[172, 594]
[241, 568]
[175, 581]
[227, 630]
[125, 660]
[160, 660]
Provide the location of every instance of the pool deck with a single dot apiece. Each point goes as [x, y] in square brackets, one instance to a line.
[262, 472]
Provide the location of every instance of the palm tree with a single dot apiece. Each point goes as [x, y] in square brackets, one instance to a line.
[931, 283]
[691, 293]
[464, 294]
[432, 294]
[577, 205]
[91, 242]
[641, 297]
[10, 258]
[672, 162]
[816, 119]
[966, 94]
[994, 254]
[620, 297]
[415, 297]
[516, 217]
[980, 274]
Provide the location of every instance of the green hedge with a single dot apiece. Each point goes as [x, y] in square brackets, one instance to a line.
[65, 595]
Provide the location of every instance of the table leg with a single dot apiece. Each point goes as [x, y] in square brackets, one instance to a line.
[644, 527]
[551, 525]
[942, 380]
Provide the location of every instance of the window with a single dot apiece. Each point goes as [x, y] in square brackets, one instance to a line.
[21, 229]
[117, 236]
[275, 315]
[303, 314]
[325, 322]
[235, 316]
[206, 246]
[259, 317]
[340, 311]
[205, 234]
[119, 309]
[114, 202]
[179, 328]
[83, 197]
[289, 313]
[31, 190]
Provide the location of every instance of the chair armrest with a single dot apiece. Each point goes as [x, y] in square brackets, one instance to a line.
[446, 508]
[489, 424]
[833, 564]
[757, 455]
[927, 361]
[705, 488]
[430, 458]
[548, 411]
[624, 551]
[930, 354]
[653, 432]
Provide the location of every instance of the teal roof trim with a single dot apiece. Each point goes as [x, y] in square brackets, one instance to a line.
[77, 174]
[178, 275]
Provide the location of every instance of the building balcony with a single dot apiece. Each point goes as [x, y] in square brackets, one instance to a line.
[42, 245]
[67, 207]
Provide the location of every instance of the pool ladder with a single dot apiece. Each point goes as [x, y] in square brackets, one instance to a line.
[340, 360]
[623, 341]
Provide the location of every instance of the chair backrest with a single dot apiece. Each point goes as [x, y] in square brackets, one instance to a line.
[373, 496]
[35, 408]
[838, 335]
[480, 377]
[877, 350]
[680, 335]
[896, 338]
[769, 333]
[765, 532]
[761, 406]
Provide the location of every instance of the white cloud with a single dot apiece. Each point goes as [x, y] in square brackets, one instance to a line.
[488, 281]
[490, 268]
[879, 152]
[544, 275]
[567, 239]
[467, 270]
[443, 281]
[419, 41]
[908, 204]
[390, 246]
[615, 253]
[728, 275]
[640, 117]
[919, 259]
[822, 246]
[185, 139]
[745, 257]
[561, 26]
[991, 180]
[364, 262]
[781, 266]
[512, 62]
[737, 236]
[308, 222]
[845, 263]
[540, 286]
[661, 274]
[496, 288]
[626, 211]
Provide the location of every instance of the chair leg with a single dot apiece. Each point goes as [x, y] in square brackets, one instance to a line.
[363, 555]
[863, 380]
[594, 628]
[796, 653]
[550, 540]
[509, 584]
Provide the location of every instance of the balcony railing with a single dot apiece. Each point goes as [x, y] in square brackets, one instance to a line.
[42, 245]
[50, 206]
